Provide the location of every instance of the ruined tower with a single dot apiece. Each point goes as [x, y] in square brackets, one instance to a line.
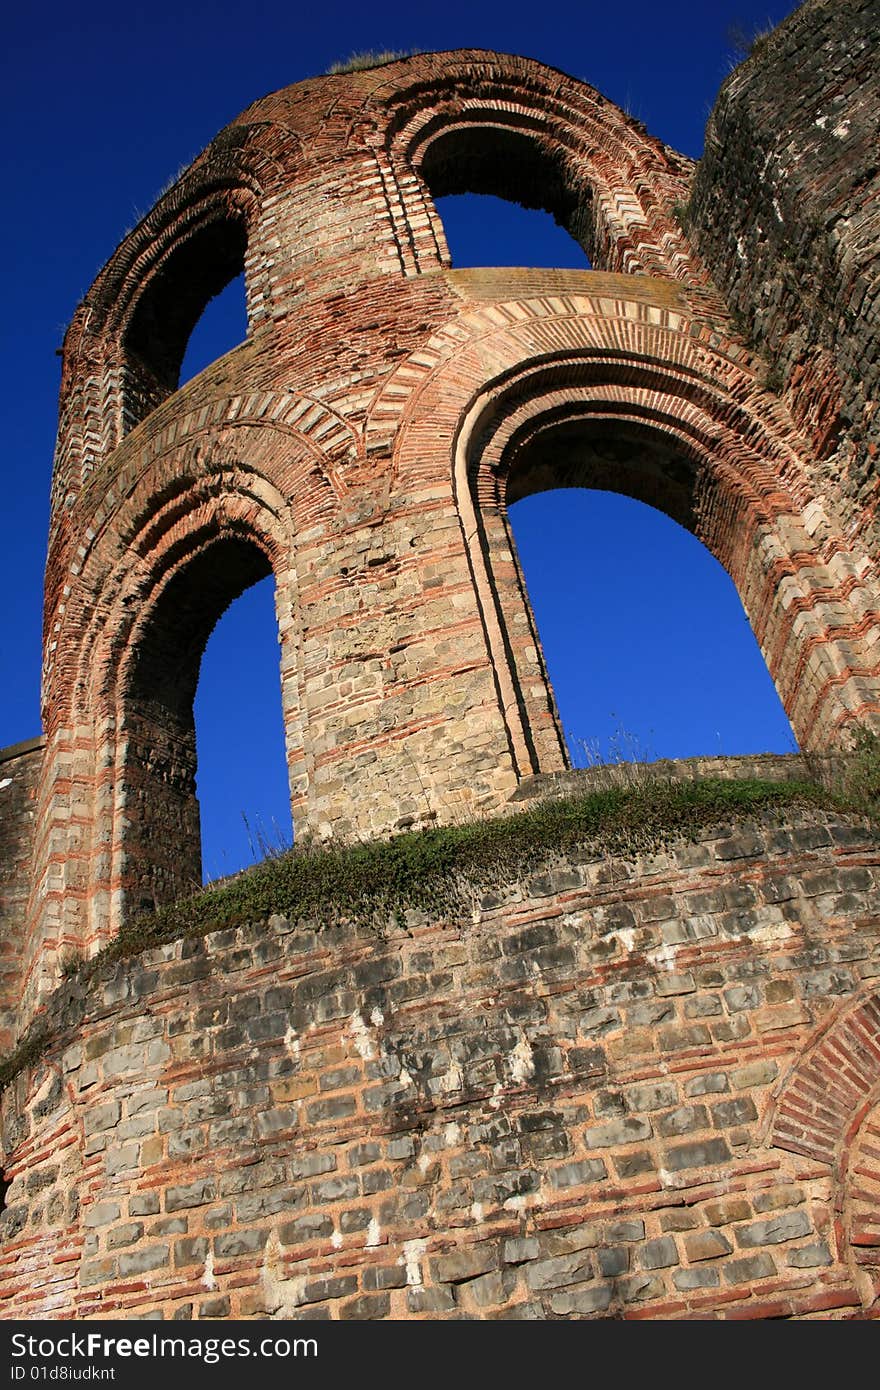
[623, 1117]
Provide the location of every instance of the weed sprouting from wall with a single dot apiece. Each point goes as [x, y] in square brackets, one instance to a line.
[624, 752]
[859, 776]
[369, 58]
[70, 963]
[439, 871]
[266, 842]
[747, 41]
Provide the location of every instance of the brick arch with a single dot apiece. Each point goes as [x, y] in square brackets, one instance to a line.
[156, 848]
[447, 117]
[153, 584]
[153, 540]
[637, 367]
[302, 451]
[827, 1109]
[514, 315]
[832, 1086]
[123, 350]
[549, 427]
[188, 480]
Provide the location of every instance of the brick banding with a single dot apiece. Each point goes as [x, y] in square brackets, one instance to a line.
[552, 1102]
[361, 444]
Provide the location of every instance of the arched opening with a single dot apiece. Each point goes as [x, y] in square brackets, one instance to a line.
[176, 294]
[513, 165]
[483, 230]
[243, 792]
[647, 647]
[573, 434]
[221, 327]
[162, 843]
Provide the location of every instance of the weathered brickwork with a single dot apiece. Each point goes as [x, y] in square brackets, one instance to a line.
[19, 773]
[576, 1104]
[786, 211]
[363, 446]
[643, 1088]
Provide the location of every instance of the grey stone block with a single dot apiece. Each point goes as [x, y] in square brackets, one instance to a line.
[696, 1155]
[556, 1273]
[142, 1261]
[627, 1130]
[685, 1280]
[573, 1174]
[744, 1271]
[193, 1194]
[659, 1253]
[790, 1226]
[595, 1300]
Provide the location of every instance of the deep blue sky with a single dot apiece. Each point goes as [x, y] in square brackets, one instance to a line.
[105, 105]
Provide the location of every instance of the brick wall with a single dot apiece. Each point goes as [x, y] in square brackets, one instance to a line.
[19, 773]
[363, 444]
[597, 1097]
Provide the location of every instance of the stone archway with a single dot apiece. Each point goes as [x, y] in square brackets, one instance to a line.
[529, 133]
[531, 369]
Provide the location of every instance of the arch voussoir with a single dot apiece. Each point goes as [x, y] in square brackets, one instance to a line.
[640, 366]
[227, 522]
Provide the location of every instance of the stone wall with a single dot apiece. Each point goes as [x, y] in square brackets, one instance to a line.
[19, 775]
[621, 1088]
[786, 211]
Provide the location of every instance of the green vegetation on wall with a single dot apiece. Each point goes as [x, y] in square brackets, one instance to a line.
[448, 871]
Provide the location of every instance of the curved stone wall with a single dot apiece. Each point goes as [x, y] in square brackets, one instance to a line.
[577, 1103]
[785, 209]
[20, 768]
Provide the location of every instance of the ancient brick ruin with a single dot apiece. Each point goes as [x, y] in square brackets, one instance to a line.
[643, 1087]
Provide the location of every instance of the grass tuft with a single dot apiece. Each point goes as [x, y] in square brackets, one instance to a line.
[369, 58]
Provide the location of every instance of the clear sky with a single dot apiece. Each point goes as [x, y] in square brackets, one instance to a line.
[105, 104]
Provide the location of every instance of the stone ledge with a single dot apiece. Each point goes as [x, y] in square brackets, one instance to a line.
[767, 767]
[18, 750]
